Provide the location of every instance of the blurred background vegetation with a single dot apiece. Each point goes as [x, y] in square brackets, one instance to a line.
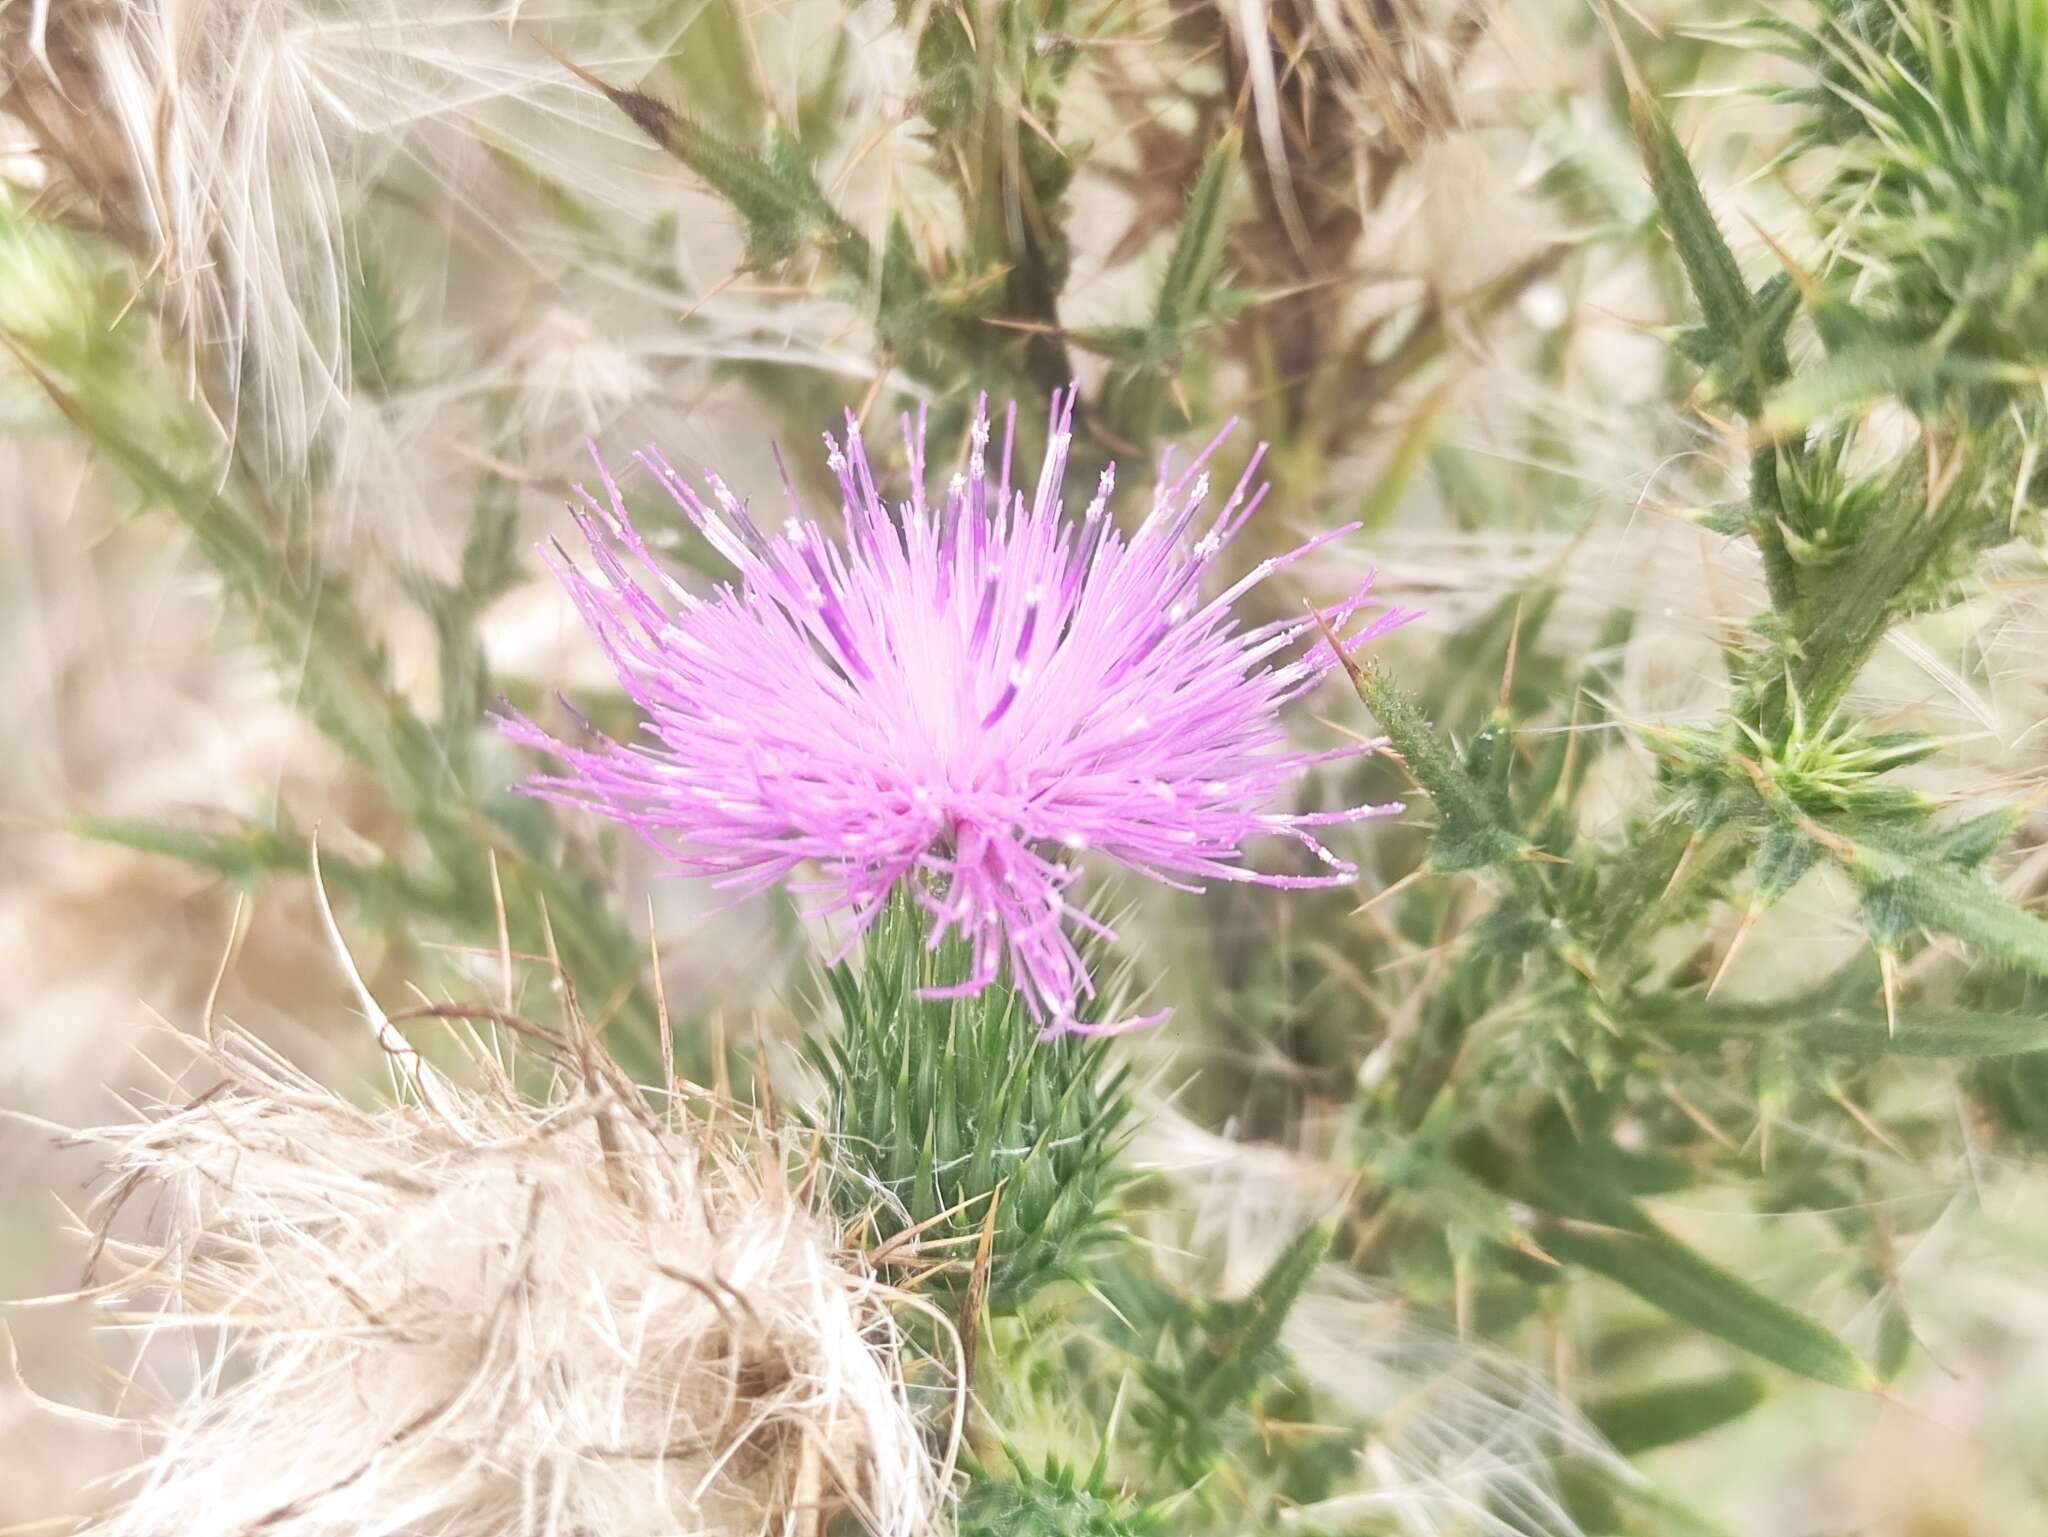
[1665, 1122]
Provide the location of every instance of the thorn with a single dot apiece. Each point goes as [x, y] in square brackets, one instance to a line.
[721, 1069]
[574, 68]
[867, 403]
[1678, 871]
[1030, 120]
[135, 294]
[1862, 1118]
[1571, 752]
[1698, 1117]
[2023, 479]
[707, 296]
[1734, 947]
[1385, 892]
[1381, 745]
[1571, 1117]
[814, 1165]
[1804, 281]
[977, 1288]
[1028, 327]
[668, 1035]
[1100, 1467]
[1887, 970]
[1419, 955]
[504, 937]
[1507, 672]
[1941, 477]
[1631, 77]
[1351, 668]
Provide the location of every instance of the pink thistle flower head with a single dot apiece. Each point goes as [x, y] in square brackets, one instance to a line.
[960, 698]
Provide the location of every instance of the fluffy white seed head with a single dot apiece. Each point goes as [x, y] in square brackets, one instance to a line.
[489, 1314]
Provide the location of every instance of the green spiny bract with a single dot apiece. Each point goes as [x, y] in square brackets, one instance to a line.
[1053, 1502]
[1799, 770]
[938, 1107]
[1939, 209]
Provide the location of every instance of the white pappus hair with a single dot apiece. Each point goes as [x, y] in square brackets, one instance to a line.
[486, 1313]
[254, 133]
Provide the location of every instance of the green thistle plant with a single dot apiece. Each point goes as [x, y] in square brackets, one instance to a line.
[1527, 1122]
[1218, 1356]
[945, 1110]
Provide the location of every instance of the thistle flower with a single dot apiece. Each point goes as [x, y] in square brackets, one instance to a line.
[960, 699]
[480, 1313]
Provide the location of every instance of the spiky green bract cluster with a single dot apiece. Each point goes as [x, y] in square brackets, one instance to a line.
[1939, 206]
[1570, 1065]
[940, 1107]
[1219, 1355]
[1805, 793]
[1053, 1501]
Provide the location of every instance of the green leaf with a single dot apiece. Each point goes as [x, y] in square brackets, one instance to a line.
[1749, 336]
[1130, 345]
[1186, 287]
[1232, 1348]
[1785, 857]
[1416, 439]
[1695, 1291]
[1730, 520]
[1959, 1034]
[249, 855]
[1710, 266]
[1940, 897]
[1600, 1491]
[786, 211]
[1151, 357]
[1894, 1337]
[1849, 380]
[775, 194]
[1672, 1412]
[1244, 1335]
[1969, 843]
[1418, 1176]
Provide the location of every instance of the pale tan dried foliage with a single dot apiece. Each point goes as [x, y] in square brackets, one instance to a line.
[481, 1312]
[232, 145]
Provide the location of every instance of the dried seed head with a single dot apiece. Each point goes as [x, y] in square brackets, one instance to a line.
[491, 1314]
